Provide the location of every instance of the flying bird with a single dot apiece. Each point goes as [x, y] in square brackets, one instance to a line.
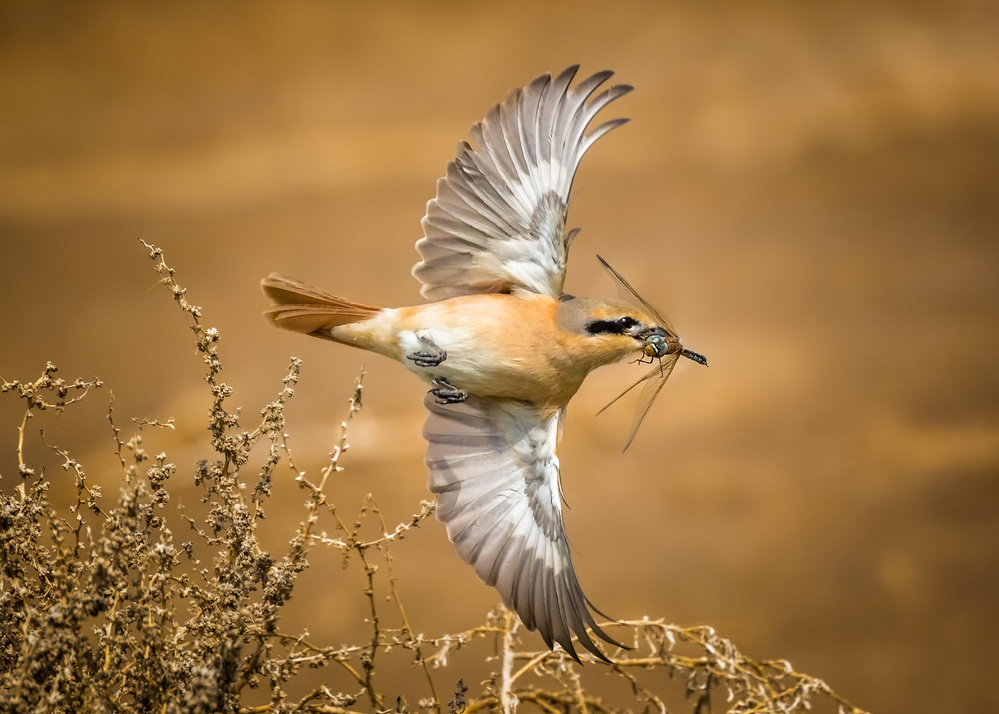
[502, 347]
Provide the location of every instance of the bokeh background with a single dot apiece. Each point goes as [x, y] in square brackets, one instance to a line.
[809, 190]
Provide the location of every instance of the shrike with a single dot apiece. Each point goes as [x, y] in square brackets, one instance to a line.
[502, 347]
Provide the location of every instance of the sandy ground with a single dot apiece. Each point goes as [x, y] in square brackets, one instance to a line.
[809, 192]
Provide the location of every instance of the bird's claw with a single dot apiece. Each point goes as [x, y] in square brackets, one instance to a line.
[430, 356]
[447, 393]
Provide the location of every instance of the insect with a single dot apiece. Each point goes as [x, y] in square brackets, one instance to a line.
[502, 347]
[666, 348]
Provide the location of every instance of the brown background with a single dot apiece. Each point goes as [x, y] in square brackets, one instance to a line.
[809, 190]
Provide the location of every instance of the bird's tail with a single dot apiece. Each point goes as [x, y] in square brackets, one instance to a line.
[301, 308]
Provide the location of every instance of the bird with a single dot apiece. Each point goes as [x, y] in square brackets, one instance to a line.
[502, 347]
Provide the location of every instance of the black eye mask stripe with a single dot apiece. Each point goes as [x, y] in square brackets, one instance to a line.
[610, 327]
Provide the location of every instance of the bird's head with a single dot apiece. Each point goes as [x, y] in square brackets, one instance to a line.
[615, 328]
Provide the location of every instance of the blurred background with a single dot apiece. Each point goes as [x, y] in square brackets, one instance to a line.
[810, 191]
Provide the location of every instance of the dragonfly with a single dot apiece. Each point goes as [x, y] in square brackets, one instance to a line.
[666, 349]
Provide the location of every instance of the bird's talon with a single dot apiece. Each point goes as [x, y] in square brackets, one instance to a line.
[430, 356]
[447, 393]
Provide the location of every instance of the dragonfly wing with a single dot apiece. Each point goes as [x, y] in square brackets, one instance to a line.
[649, 394]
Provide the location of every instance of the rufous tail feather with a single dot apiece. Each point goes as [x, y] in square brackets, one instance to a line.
[302, 308]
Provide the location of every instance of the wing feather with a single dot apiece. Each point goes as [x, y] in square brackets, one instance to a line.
[495, 473]
[565, 620]
[498, 221]
[504, 565]
[543, 567]
[520, 593]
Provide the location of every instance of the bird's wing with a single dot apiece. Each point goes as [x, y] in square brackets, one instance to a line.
[495, 473]
[498, 221]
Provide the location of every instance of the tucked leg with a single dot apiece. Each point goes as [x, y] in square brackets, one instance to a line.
[447, 393]
[429, 355]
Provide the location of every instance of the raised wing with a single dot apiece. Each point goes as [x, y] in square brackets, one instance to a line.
[498, 221]
[494, 470]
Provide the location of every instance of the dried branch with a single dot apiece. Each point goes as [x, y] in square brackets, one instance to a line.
[107, 610]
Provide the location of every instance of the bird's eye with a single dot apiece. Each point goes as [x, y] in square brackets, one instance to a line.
[617, 326]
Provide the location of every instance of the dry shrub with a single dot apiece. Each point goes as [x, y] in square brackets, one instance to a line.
[106, 609]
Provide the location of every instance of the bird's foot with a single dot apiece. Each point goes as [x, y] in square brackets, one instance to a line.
[430, 356]
[447, 393]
